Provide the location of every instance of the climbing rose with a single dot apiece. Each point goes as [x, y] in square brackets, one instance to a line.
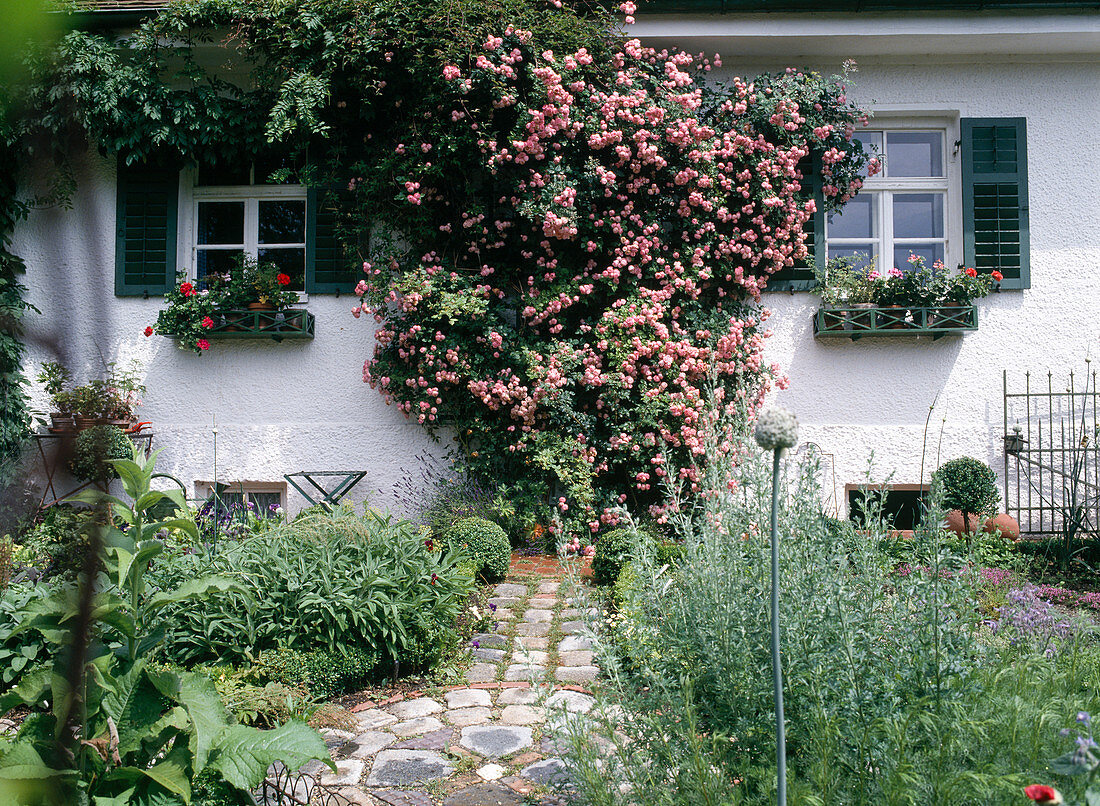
[971, 272]
[187, 290]
[282, 279]
[148, 331]
[207, 322]
[202, 344]
[997, 276]
[1043, 794]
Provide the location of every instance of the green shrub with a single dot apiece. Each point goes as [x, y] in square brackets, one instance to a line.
[93, 450]
[59, 541]
[324, 673]
[486, 543]
[325, 581]
[613, 550]
[897, 692]
[625, 584]
[968, 485]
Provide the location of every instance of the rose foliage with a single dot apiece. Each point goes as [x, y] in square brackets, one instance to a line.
[600, 262]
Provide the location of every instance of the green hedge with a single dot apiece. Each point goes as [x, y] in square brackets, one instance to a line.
[486, 543]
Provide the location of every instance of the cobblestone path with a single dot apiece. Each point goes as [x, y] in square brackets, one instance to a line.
[494, 741]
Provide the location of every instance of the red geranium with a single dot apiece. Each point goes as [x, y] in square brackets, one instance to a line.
[996, 275]
[202, 344]
[971, 272]
[207, 322]
[187, 289]
[1041, 793]
[282, 279]
[149, 331]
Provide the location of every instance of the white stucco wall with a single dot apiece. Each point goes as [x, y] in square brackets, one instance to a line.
[280, 408]
[302, 405]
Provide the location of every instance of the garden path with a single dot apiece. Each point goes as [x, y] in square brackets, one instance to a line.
[496, 740]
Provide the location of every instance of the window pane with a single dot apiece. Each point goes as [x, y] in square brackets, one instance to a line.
[914, 154]
[872, 145]
[931, 252]
[856, 220]
[860, 256]
[289, 261]
[265, 503]
[282, 222]
[221, 222]
[918, 215]
[216, 261]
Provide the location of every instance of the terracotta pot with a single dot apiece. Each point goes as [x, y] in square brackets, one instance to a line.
[1004, 523]
[85, 422]
[260, 306]
[954, 523]
[61, 422]
[862, 317]
[896, 317]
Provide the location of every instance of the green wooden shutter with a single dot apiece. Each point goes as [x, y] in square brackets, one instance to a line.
[800, 276]
[328, 270]
[994, 191]
[147, 204]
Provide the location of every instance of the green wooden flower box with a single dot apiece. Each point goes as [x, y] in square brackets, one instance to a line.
[854, 322]
[292, 323]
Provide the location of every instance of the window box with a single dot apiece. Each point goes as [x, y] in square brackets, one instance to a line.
[853, 322]
[292, 323]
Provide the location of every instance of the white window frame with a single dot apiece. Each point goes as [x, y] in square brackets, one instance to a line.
[191, 194]
[947, 123]
[204, 489]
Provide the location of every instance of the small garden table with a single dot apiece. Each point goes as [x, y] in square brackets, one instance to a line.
[345, 480]
[60, 446]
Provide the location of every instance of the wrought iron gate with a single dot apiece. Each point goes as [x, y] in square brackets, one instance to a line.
[1052, 456]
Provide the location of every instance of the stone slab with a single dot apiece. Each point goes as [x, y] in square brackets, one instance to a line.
[536, 630]
[577, 674]
[492, 772]
[535, 615]
[544, 601]
[571, 643]
[503, 614]
[436, 740]
[549, 587]
[468, 698]
[521, 671]
[495, 741]
[489, 655]
[348, 772]
[413, 727]
[504, 601]
[369, 742]
[487, 794]
[510, 589]
[572, 701]
[411, 709]
[490, 640]
[522, 715]
[518, 696]
[527, 642]
[550, 772]
[482, 673]
[407, 767]
[531, 657]
[580, 657]
[478, 715]
[403, 797]
[572, 627]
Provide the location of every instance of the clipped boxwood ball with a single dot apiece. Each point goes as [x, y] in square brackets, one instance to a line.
[487, 543]
[94, 447]
[613, 550]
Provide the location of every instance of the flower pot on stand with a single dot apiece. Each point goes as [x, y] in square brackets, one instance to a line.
[894, 317]
[82, 422]
[60, 423]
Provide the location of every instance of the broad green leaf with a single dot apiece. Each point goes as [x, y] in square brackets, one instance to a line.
[191, 589]
[148, 499]
[31, 691]
[177, 524]
[134, 481]
[243, 754]
[171, 772]
[135, 705]
[123, 560]
[124, 799]
[198, 696]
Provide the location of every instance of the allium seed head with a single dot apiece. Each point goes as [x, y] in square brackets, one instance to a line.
[776, 429]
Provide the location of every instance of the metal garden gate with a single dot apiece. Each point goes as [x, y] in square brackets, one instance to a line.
[1052, 456]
